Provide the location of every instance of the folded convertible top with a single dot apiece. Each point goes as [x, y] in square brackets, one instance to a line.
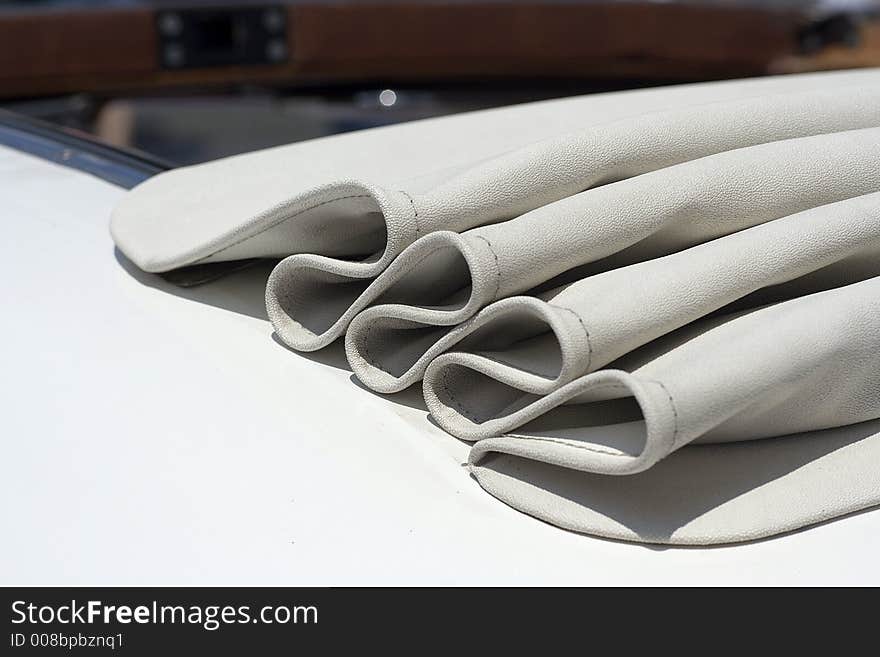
[328, 196]
[655, 313]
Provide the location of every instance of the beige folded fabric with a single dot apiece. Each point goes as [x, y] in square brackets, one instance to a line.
[711, 373]
[701, 494]
[535, 345]
[806, 364]
[353, 196]
[796, 367]
[446, 277]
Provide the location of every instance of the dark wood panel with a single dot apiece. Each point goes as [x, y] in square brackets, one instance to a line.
[403, 38]
[60, 43]
[44, 52]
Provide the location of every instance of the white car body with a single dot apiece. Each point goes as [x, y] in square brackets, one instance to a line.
[156, 435]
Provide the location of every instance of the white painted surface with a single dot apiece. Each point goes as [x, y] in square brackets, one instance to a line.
[151, 438]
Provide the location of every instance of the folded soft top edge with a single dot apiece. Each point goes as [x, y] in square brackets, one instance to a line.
[368, 327]
[702, 495]
[389, 203]
[130, 224]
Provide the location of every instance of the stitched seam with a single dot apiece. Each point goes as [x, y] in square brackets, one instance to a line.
[370, 328]
[456, 404]
[368, 357]
[674, 410]
[586, 333]
[366, 345]
[585, 448]
[501, 361]
[540, 374]
[607, 386]
[497, 266]
[280, 221]
[414, 209]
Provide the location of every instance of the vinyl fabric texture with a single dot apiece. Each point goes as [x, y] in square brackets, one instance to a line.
[655, 313]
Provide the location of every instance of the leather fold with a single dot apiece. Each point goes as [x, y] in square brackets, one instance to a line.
[536, 345]
[666, 209]
[819, 355]
[702, 495]
[753, 426]
[365, 196]
[311, 305]
[630, 221]
[655, 314]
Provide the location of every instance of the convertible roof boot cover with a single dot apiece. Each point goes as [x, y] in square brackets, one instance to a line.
[655, 313]
[585, 325]
[537, 344]
[803, 376]
[358, 199]
[311, 304]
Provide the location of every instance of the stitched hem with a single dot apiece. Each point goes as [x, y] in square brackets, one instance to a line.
[414, 209]
[671, 406]
[497, 267]
[586, 333]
